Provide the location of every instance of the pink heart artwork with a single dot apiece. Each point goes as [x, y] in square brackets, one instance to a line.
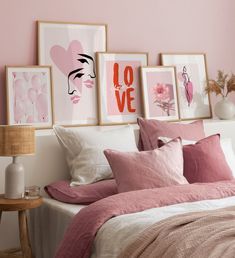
[66, 60]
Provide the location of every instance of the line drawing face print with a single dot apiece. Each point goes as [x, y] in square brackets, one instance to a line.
[77, 66]
[86, 73]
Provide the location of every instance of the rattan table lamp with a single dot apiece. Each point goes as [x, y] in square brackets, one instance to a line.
[16, 141]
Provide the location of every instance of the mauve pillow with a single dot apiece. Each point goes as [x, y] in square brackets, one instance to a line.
[148, 169]
[83, 194]
[205, 162]
[151, 129]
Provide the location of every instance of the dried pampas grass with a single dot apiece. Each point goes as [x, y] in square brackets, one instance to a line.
[223, 85]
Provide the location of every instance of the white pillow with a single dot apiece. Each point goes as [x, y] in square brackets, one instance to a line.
[226, 145]
[84, 150]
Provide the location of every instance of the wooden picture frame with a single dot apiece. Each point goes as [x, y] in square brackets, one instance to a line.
[159, 93]
[192, 78]
[29, 96]
[70, 49]
[119, 88]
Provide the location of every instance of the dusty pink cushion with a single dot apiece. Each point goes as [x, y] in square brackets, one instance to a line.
[151, 129]
[205, 162]
[148, 169]
[83, 194]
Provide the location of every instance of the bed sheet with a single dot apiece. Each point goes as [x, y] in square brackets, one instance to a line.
[47, 225]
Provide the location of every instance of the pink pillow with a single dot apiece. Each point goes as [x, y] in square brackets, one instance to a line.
[148, 169]
[83, 194]
[151, 129]
[205, 162]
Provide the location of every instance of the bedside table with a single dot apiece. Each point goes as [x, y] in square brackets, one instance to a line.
[20, 205]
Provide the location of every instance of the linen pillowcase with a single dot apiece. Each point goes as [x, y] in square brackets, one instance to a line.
[148, 169]
[83, 194]
[151, 130]
[205, 162]
[225, 144]
[84, 150]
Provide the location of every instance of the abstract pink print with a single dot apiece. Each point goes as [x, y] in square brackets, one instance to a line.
[30, 92]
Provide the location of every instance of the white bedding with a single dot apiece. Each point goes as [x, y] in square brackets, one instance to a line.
[49, 223]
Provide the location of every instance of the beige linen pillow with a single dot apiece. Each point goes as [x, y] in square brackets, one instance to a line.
[84, 150]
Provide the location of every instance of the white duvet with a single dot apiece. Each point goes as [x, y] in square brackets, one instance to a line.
[118, 232]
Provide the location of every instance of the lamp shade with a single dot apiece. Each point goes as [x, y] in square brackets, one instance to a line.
[17, 140]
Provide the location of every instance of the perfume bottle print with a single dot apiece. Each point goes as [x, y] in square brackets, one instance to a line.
[188, 86]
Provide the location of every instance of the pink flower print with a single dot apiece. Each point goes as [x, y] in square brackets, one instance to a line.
[161, 91]
[163, 98]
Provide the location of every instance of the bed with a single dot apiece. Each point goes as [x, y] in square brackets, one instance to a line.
[55, 217]
[114, 225]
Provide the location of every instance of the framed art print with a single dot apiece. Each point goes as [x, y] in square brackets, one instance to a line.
[191, 76]
[70, 49]
[119, 96]
[159, 93]
[29, 96]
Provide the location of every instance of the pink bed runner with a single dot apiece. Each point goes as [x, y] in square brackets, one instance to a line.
[78, 239]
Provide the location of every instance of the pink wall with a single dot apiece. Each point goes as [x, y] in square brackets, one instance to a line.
[153, 26]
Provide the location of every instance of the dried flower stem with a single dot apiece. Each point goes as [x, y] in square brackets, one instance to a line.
[223, 85]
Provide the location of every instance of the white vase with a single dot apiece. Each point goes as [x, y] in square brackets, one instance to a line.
[224, 109]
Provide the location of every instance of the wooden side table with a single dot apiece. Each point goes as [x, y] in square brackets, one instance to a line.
[20, 205]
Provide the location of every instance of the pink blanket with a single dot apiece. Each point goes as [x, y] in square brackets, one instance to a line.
[193, 234]
[81, 232]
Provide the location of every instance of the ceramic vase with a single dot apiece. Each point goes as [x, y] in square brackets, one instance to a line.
[225, 109]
